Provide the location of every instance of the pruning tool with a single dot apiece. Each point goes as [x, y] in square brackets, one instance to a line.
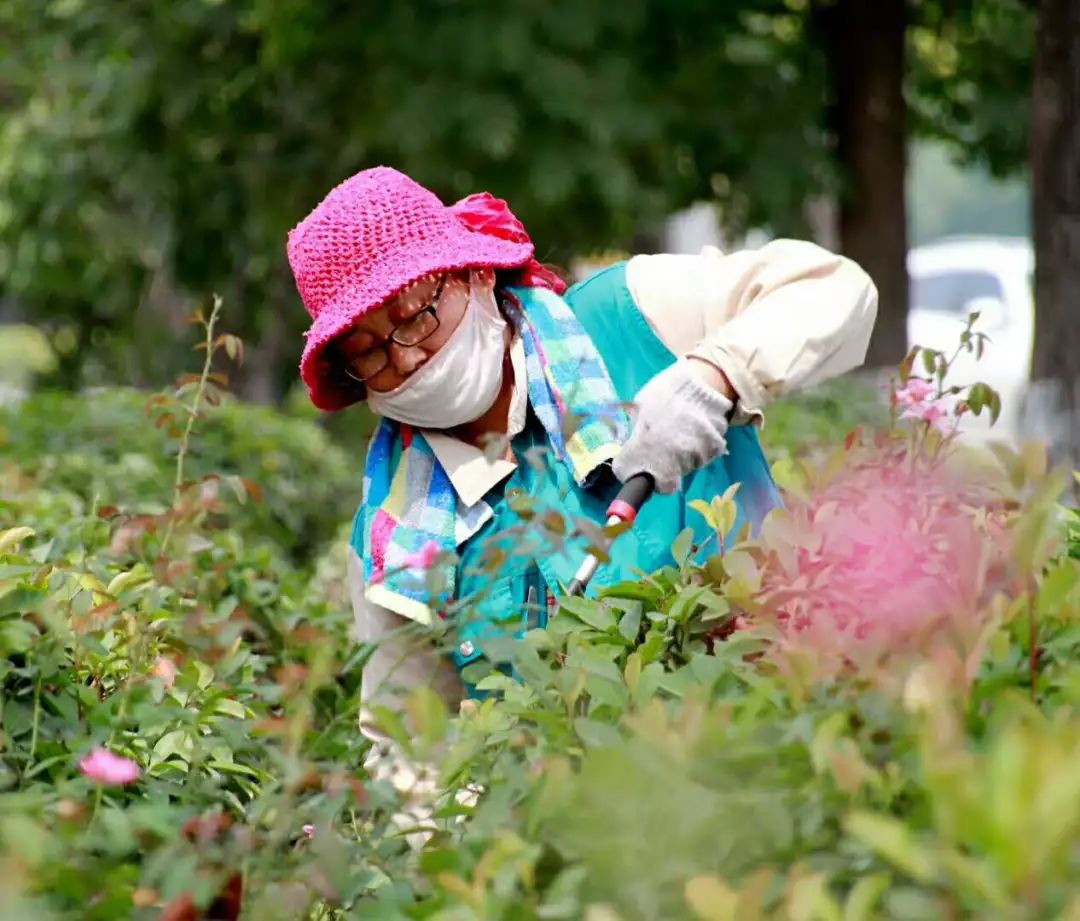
[624, 508]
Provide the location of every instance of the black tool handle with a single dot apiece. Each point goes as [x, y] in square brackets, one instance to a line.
[634, 494]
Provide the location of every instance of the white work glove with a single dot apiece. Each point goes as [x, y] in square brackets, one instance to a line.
[679, 427]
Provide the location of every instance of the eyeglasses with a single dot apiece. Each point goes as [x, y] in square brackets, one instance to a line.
[411, 333]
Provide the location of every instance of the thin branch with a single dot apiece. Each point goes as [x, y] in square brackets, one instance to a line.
[193, 414]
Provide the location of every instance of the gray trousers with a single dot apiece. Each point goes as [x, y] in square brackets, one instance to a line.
[405, 656]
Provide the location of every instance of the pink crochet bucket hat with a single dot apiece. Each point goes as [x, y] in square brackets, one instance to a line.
[371, 237]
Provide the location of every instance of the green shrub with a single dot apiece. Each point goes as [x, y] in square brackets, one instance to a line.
[866, 711]
[103, 447]
[822, 417]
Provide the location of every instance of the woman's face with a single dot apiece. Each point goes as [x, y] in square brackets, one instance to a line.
[363, 343]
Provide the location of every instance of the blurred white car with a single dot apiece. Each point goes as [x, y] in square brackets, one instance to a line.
[951, 278]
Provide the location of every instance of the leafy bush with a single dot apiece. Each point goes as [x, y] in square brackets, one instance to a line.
[821, 418]
[102, 447]
[865, 711]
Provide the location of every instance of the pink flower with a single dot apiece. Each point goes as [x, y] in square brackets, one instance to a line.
[915, 392]
[165, 670]
[308, 830]
[933, 413]
[109, 770]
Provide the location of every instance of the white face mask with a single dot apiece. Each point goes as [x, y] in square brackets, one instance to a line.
[460, 382]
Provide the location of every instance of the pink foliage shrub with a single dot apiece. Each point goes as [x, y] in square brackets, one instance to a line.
[887, 557]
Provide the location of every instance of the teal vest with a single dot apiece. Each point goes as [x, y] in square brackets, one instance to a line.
[543, 484]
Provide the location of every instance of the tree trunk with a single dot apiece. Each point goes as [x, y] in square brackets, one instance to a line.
[870, 123]
[262, 380]
[1055, 196]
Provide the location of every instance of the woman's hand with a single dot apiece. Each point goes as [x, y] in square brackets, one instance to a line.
[680, 424]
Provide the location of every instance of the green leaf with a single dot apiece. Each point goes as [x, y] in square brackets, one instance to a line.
[707, 670]
[204, 674]
[391, 724]
[25, 837]
[651, 677]
[177, 743]
[978, 877]
[894, 842]
[596, 661]
[230, 707]
[705, 510]
[977, 398]
[685, 603]
[428, 715]
[632, 672]
[1056, 586]
[791, 479]
[681, 546]
[827, 733]
[724, 513]
[21, 600]
[596, 734]
[929, 360]
[863, 899]
[630, 624]
[18, 719]
[231, 767]
[810, 900]
[594, 613]
[236, 484]
[653, 647]
[711, 899]
[907, 364]
[13, 536]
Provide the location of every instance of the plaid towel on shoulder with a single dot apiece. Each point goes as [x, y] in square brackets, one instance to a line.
[411, 514]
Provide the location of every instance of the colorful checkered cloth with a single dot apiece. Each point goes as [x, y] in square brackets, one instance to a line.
[412, 515]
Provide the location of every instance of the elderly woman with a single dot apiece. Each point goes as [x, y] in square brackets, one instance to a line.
[513, 407]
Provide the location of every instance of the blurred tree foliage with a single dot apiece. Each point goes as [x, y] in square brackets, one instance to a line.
[153, 153]
[970, 78]
[952, 70]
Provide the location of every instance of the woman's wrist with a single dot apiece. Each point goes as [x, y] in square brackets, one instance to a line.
[709, 374]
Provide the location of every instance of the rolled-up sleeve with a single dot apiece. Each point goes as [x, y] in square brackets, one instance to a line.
[777, 319]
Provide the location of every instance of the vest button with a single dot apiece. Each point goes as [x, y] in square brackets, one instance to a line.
[466, 648]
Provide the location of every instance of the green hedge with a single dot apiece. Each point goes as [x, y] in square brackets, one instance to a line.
[869, 711]
[102, 447]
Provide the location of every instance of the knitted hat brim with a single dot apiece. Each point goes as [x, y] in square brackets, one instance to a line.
[328, 386]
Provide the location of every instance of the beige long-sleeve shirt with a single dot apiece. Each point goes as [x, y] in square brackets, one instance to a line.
[775, 320]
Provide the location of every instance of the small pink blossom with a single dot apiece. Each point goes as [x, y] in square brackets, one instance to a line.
[308, 830]
[164, 670]
[933, 413]
[107, 769]
[915, 392]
